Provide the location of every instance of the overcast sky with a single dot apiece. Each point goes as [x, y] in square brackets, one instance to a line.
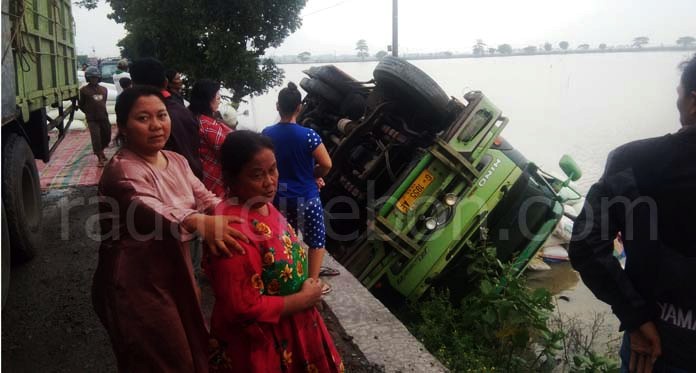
[334, 26]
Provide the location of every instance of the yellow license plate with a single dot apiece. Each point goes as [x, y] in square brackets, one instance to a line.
[416, 189]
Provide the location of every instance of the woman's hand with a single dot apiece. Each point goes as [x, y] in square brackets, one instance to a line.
[217, 233]
[308, 296]
[311, 289]
[320, 182]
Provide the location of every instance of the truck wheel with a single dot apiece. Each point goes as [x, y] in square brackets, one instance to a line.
[5, 258]
[21, 197]
[334, 77]
[403, 80]
[319, 88]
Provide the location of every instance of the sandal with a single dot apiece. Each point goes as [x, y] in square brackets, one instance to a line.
[328, 271]
[326, 288]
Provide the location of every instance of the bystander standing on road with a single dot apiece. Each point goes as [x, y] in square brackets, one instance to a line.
[93, 104]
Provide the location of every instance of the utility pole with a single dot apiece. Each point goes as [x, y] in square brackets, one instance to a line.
[395, 28]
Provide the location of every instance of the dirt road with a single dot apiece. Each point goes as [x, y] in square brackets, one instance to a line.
[47, 323]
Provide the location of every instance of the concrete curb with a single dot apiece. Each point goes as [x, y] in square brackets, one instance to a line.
[377, 332]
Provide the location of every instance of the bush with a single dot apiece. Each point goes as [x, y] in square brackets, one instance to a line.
[499, 326]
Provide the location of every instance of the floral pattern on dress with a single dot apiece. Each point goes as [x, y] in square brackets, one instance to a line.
[287, 267]
[262, 229]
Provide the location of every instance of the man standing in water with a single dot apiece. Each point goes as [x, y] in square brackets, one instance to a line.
[647, 193]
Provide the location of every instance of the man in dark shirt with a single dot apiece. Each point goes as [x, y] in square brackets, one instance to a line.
[184, 138]
[93, 104]
[648, 193]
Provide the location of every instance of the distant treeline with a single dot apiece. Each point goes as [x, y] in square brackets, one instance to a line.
[290, 59]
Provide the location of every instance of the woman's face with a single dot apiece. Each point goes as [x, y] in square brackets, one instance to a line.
[257, 182]
[148, 126]
[215, 103]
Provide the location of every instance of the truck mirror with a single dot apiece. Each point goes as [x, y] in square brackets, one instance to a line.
[570, 168]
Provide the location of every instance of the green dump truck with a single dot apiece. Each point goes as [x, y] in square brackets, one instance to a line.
[38, 72]
[420, 179]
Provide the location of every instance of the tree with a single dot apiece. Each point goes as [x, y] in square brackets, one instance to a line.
[640, 41]
[381, 54]
[479, 48]
[363, 50]
[304, 56]
[221, 40]
[530, 49]
[548, 47]
[491, 50]
[82, 59]
[602, 46]
[564, 45]
[686, 41]
[584, 46]
[504, 49]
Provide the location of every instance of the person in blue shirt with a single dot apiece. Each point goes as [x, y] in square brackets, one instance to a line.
[302, 163]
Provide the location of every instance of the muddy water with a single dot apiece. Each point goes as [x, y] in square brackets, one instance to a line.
[576, 303]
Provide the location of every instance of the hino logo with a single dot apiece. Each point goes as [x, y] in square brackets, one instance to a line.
[489, 173]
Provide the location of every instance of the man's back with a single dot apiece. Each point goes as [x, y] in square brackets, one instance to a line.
[184, 138]
[648, 193]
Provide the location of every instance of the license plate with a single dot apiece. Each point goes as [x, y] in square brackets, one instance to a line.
[416, 189]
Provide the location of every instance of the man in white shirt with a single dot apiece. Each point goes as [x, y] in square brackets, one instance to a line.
[121, 72]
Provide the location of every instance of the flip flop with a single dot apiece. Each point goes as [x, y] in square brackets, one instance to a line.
[326, 288]
[328, 271]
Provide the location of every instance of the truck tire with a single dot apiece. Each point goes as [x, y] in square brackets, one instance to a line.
[334, 77]
[403, 80]
[5, 258]
[319, 88]
[21, 197]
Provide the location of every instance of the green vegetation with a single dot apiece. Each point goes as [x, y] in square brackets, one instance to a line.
[381, 54]
[223, 40]
[363, 50]
[304, 56]
[640, 41]
[501, 325]
[686, 41]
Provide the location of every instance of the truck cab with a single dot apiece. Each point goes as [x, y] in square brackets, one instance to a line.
[421, 179]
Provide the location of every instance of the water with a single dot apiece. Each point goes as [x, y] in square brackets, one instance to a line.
[582, 105]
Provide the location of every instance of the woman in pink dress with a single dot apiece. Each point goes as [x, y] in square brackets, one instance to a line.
[205, 101]
[152, 205]
[264, 319]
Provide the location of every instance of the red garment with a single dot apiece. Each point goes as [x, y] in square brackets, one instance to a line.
[249, 334]
[143, 289]
[213, 134]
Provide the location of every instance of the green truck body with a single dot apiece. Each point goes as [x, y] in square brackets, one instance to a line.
[38, 71]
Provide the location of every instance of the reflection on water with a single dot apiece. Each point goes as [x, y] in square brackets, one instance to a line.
[561, 277]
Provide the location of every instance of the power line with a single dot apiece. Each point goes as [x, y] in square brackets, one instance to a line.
[327, 8]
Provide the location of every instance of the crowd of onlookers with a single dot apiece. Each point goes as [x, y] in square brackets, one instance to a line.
[188, 199]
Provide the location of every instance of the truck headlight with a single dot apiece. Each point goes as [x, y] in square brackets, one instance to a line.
[450, 199]
[431, 223]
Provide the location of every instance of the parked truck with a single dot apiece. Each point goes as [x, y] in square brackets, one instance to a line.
[38, 75]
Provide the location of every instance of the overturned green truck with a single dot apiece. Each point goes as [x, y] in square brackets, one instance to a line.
[420, 179]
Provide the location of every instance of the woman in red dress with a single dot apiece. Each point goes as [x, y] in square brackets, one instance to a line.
[264, 319]
[205, 101]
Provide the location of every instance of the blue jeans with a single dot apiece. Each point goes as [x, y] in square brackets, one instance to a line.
[625, 354]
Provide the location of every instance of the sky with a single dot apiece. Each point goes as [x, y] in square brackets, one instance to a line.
[334, 26]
